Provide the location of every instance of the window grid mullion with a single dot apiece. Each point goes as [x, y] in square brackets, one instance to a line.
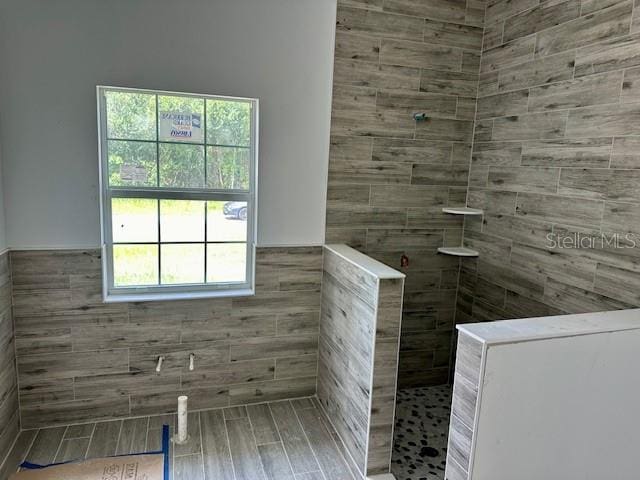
[158, 200]
[206, 204]
[180, 194]
[185, 242]
[142, 140]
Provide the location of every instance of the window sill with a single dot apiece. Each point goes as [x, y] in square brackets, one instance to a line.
[168, 296]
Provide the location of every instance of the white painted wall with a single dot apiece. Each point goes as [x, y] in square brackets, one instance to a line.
[53, 54]
[561, 408]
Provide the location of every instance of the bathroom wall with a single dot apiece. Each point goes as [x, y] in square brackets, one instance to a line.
[390, 177]
[9, 414]
[556, 159]
[358, 353]
[53, 54]
[81, 359]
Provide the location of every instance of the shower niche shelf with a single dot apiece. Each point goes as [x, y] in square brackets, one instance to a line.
[458, 251]
[462, 211]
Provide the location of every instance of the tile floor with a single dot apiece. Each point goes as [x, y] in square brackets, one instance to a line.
[285, 440]
[421, 433]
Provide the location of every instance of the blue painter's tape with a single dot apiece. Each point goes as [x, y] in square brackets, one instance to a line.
[165, 450]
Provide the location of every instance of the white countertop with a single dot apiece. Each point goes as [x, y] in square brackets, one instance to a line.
[527, 329]
[370, 265]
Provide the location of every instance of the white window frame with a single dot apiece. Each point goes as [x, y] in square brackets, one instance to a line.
[111, 293]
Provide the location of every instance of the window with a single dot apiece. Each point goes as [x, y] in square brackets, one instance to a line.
[178, 205]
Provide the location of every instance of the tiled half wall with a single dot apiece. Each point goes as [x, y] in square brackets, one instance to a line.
[81, 359]
[358, 363]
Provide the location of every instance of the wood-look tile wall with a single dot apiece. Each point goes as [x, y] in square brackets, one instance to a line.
[389, 177]
[556, 152]
[358, 360]
[9, 412]
[466, 386]
[385, 375]
[80, 359]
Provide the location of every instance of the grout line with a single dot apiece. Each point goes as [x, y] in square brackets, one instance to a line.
[204, 473]
[119, 435]
[621, 91]
[304, 432]
[226, 432]
[13, 445]
[146, 437]
[255, 444]
[350, 464]
[60, 445]
[172, 450]
[282, 441]
[33, 440]
[93, 431]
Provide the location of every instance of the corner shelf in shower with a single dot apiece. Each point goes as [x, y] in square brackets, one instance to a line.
[458, 251]
[462, 211]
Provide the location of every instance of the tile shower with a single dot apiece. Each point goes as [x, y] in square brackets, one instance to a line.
[532, 115]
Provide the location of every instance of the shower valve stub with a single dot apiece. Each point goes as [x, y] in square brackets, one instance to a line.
[420, 117]
[159, 363]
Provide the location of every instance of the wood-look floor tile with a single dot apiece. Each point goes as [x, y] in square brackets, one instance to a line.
[72, 449]
[18, 453]
[133, 437]
[326, 451]
[302, 403]
[79, 431]
[188, 467]
[244, 452]
[232, 413]
[310, 476]
[157, 421]
[44, 448]
[215, 446]
[293, 438]
[218, 449]
[264, 427]
[105, 439]
[275, 462]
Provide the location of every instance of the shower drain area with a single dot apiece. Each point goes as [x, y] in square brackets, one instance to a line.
[421, 433]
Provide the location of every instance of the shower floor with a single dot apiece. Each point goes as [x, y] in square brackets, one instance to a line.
[421, 433]
[285, 440]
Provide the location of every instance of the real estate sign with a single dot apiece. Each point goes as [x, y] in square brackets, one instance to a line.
[181, 127]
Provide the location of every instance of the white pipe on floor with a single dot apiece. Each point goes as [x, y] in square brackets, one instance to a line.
[182, 420]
